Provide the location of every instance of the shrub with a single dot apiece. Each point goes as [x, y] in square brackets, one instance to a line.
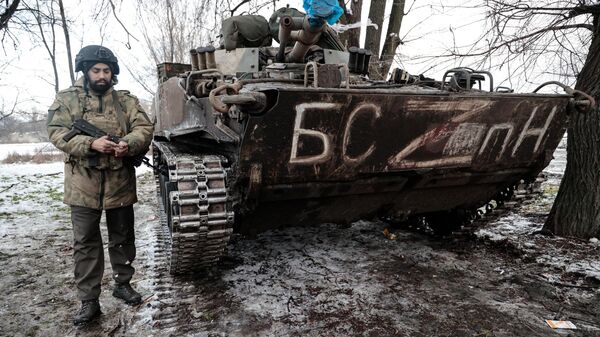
[36, 158]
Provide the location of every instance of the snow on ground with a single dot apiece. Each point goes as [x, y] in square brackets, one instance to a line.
[23, 169]
[317, 280]
[558, 164]
[520, 228]
[28, 188]
[36, 248]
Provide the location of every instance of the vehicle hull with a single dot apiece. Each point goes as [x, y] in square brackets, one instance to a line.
[340, 155]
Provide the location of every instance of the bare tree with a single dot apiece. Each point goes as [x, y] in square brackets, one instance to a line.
[8, 111]
[13, 118]
[170, 28]
[39, 21]
[13, 15]
[65, 28]
[7, 11]
[376, 14]
[564, 39]
[351, 37]
[575, 210]
[46, 23]
[230, 8]
[382, 57]
[238, 6]
[392, 38]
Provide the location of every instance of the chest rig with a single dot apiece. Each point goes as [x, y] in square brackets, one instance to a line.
[107, 115]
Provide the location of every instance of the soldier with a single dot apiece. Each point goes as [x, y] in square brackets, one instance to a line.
[98, 175]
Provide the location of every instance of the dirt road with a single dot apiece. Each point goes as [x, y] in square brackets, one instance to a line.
[503, 280]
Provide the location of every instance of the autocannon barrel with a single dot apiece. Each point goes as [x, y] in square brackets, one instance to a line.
[302, 32]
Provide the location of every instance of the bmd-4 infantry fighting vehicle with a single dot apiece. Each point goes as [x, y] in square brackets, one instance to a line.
[251, 137]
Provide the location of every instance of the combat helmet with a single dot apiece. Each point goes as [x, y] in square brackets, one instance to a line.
[96, 54]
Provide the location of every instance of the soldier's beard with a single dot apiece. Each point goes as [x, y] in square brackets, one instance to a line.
[100, 86]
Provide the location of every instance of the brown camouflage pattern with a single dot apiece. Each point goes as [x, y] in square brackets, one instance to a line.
[108, 184]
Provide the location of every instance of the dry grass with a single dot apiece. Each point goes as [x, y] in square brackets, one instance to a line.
[36, 158]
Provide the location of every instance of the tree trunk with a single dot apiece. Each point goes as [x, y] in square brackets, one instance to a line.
[51, 50]
[392, 38]
[170, 27]
[376, 13]
[351, 37]
[67, 40]
[576, 210]
[10, 11]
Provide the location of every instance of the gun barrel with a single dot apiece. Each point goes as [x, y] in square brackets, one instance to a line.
[91, 130]
[305, 38]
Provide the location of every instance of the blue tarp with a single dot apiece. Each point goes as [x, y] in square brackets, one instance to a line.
[328, 10]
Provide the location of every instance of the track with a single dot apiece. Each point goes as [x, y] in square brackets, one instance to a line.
[505, 202]
[198, 208]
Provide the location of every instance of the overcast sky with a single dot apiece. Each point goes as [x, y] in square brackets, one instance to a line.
[29, 74]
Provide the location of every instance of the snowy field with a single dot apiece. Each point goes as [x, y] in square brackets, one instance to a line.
[321, 280]
[39, 169]
[26, 148]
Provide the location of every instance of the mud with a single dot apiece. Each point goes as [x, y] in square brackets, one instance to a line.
[503, 279]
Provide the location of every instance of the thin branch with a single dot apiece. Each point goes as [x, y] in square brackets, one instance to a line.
[4, 115]
[238, 6]
[589, 9]
[114, 11]
[8, 188]
[525, 37]
[67, 40]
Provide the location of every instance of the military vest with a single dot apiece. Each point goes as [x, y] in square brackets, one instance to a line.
[105, 112]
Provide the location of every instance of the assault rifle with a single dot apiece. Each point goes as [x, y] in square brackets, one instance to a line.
[81, 126]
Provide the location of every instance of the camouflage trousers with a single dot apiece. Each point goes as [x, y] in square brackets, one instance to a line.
[88, 250]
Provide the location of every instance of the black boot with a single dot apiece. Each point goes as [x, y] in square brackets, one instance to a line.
[90, 309]
[126, 293]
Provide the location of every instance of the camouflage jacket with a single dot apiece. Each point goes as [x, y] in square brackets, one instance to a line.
[93, 179]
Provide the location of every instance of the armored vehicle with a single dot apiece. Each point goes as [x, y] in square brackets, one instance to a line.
[251, 137]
